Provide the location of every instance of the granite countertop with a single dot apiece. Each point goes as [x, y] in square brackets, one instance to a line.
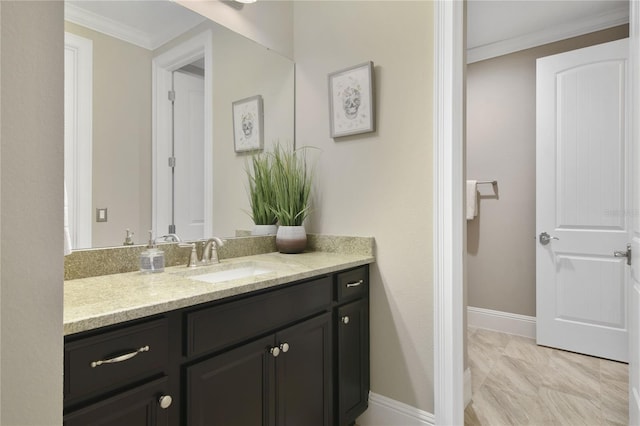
[90, 303]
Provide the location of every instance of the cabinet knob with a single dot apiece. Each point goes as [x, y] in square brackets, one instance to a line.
[165, 401]
[345, 319]
[275, 351]
[284, 347]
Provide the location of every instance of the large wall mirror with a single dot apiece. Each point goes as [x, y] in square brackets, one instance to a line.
[112, 122]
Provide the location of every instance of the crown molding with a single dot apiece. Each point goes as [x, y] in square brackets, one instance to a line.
[549, 35]
[107, 26]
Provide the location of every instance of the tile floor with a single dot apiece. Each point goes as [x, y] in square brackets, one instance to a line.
[516, 382]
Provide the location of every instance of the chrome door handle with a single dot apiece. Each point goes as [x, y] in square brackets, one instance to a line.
[546, 238]
[626, 254]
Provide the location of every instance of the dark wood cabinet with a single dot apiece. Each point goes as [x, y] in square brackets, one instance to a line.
[303, 373]
[282, 379]
[282, 357]
[235, 388]
[352, 350]
[141, 406]
[352, 344]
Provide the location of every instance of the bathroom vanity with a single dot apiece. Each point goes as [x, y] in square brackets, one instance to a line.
[289, 346]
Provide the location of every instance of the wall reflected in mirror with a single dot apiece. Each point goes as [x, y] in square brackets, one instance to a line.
[125, 37]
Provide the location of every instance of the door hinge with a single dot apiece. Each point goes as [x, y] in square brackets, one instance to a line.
[626, 254]
[172, 95]
[172, 161]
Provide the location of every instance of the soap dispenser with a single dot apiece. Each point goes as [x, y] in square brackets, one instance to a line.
[152, 259]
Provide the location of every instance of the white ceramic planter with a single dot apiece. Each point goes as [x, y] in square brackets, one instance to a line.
[291, 239]
[264, 230]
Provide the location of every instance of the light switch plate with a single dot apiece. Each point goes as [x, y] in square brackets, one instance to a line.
[101, 215]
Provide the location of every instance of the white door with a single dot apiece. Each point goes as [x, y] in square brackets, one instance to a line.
[189, 154]
[634, 293]
[582, 200]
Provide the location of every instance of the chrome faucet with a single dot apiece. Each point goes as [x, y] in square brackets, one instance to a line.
[210, 251]
[170, 238]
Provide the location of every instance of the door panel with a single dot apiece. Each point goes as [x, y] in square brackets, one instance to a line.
[189, 153]
[234, 388]
[304, 374]
[634, 291]
[582, 197]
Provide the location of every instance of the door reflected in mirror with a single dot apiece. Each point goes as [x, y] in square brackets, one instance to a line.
[122, 175]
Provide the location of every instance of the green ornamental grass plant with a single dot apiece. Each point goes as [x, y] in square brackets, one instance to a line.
[261, 190]
[291, 179]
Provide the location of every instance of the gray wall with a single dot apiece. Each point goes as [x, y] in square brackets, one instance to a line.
[501, 142]
[121, 137]
[31, 206]
[378, 183]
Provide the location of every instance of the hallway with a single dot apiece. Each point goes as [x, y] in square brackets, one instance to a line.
[516, 382]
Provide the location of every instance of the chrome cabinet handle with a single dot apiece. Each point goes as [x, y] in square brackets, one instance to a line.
[284, 347]
[355, 283]
[275, 351]
[345, 319]
[546, 238]
[165, 401]
[120, 358]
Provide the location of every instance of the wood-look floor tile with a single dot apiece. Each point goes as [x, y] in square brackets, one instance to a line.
[614, 401]
[493, 338]
[567, 373]
[568, 409]
[516, 382]
[515, 375]
[526, 349]
[613, 370]
[504, 406]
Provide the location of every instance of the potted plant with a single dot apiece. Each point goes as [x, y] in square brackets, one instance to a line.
[292, 188]
[262, 195]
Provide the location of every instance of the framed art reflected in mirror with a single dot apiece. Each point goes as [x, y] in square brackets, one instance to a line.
[247, 124]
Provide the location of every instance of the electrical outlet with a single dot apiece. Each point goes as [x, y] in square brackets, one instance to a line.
[101, 215]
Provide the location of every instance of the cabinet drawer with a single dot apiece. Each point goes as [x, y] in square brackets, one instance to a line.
[223, 325]
[115, 358]
[139, 406]
[352, 284]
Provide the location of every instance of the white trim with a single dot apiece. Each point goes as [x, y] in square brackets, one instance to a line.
[467, 386]
[110, 27]
[549, 35]
[162, 66]
[504, 322]
[385, 411]
[448, 219]
[79, 139]
[102, 24]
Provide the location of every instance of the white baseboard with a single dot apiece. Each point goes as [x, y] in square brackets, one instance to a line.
[505, 322]
[467, 386]
[385, 411]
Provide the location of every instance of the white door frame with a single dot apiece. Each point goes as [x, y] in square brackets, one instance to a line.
[448, 276]
[79, 141]
[162, 66]
[449, 221]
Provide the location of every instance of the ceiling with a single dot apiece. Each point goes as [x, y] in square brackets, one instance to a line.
[521, 24]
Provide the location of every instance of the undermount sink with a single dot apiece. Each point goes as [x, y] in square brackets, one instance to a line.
[230, 274]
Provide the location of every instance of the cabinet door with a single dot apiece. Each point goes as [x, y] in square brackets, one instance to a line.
[235, 388]
[138, 407]
[353, 360]
[303, 371]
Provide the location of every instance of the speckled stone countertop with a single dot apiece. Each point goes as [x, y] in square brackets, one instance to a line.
[95, 302]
